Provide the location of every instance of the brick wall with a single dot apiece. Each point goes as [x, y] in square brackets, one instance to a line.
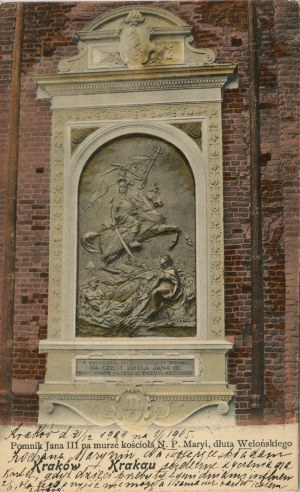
[287, 49]
[7, 23]
[221, 25]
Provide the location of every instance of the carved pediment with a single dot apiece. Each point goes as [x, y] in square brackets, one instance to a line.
[133, 38]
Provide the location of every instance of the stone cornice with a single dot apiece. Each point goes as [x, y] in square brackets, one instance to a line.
[82, 344]
[119, 13]
[189, 77]
[165, 31]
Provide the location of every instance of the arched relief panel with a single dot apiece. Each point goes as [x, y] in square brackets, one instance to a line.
[108, 250]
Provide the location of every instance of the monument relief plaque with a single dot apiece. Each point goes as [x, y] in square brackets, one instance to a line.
[136, 248]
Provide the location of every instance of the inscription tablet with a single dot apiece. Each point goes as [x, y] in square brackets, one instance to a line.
[135, 367]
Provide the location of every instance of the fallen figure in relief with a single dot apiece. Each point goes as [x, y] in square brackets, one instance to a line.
[161, 296]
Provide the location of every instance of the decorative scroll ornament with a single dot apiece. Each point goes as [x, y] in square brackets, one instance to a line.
[135, 46]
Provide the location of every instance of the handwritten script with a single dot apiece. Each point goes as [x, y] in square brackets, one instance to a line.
[54, 459]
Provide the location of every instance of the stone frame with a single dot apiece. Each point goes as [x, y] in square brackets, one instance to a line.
[73, 172]
[210, 116]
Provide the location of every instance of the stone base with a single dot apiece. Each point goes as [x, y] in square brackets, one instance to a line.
[131, 406]
[134, 384]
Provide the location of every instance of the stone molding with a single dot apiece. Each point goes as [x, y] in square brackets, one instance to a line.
[103, 22]
[62, 85]
[81, 345]
[135, 407]
[72, 175]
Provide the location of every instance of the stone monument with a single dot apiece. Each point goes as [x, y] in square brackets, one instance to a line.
[136, 314]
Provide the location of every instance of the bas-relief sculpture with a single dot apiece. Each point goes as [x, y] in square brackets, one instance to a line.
[136, 254]
[132, 338]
